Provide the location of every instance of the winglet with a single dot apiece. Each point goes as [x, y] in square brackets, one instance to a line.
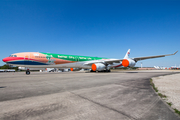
[175, 52]
[171, 54]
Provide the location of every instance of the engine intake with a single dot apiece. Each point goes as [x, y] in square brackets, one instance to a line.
[128, 63]
[98, 67]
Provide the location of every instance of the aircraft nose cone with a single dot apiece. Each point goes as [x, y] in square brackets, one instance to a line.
[5, 59]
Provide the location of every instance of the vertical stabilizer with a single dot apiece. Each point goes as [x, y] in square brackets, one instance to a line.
[127, 54]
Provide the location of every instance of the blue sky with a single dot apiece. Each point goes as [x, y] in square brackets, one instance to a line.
[103, 28]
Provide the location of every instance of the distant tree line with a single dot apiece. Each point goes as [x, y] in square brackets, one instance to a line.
[6, 66]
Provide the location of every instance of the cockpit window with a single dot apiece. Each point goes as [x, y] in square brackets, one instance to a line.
[13, 56]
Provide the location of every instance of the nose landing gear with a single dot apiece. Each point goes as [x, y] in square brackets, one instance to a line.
[27, 72]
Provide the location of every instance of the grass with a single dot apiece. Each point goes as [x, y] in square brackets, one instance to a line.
[155, 88]
[162, 96]
[177, 111]
[169, 103]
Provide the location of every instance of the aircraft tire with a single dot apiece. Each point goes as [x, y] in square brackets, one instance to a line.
[92, 71]
[27, 72]
[107, 70]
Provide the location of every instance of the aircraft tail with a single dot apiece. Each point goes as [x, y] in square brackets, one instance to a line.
[127, 54]
[157, 67]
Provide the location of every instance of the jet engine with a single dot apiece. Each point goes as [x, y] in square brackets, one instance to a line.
[98, 67]
[25, 68]
[75, 69]
[128, 63]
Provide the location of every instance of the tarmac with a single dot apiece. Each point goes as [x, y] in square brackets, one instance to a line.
[119, 95]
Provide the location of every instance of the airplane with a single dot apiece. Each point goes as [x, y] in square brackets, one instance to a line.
[157, 67]
[24, 68]
[50, 60]
[175, 67]
[162, 68]
[44, 69]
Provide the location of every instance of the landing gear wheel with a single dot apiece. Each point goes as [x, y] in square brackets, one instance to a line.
[107, 70]
[27, 72]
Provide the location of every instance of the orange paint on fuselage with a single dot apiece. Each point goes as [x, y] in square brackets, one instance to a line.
[33, 55]
[41, 58]
[60, 61]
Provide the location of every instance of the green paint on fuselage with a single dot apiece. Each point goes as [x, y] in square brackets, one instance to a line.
[72, 57]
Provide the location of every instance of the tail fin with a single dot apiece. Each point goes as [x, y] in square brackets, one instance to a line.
[127, 54]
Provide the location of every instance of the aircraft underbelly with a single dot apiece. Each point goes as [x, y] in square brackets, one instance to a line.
[67, 65]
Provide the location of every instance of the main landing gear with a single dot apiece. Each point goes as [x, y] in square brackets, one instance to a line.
[107, 70]
[27, 72]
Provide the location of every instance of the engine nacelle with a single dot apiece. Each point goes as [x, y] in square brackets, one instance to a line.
[25, 68]
[128, 63]
[98, 67]
[75, 69]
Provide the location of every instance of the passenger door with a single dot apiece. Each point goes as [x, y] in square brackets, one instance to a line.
[26, 58]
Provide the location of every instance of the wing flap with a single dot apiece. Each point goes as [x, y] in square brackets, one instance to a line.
[113, 61]
[104, 61]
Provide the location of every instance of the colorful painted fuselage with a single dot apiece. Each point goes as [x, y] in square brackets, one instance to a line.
[49, 60]
[39, 59]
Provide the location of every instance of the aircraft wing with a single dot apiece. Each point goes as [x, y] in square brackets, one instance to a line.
[110, 61]
[106, 61]
[149, 57]
[113, 61]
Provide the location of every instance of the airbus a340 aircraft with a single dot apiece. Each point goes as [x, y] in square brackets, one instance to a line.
[49, 60]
